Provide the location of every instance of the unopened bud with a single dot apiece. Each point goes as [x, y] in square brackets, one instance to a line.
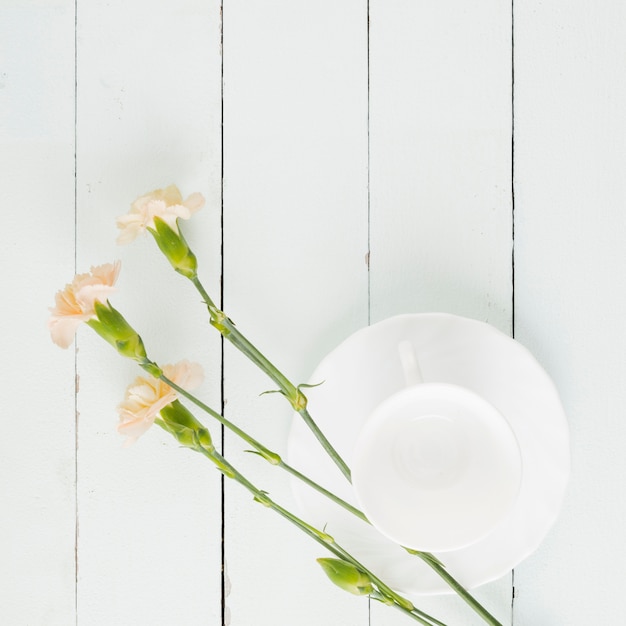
[181, 423]
[204, 439]
[347, 576]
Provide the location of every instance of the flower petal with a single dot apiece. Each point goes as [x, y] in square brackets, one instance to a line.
[63, 329]
[146, 397]
[194, 202]
[171, 195]
[133, 429]
[129, 232]
[75, 303]
[88, 295]
[185, 374]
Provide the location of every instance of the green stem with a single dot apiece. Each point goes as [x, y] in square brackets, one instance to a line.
[275, 459]
[298, 401]
[271, 457]
[329, 494]
[292, 392]
[383, 588]
[432, 562]
[320, 537]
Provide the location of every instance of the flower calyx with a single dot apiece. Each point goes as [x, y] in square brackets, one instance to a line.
[347, 576]
[180, 422]
[111, 325]
[271, 457]
[173, 245]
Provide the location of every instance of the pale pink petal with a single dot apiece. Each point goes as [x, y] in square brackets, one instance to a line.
[142, 391]
[98, 275]
[185, 374]
[194, 202]
[166, 204]
[63, 329]
[160, 404]
[108, 273]
[171, 195]
[65, 303]
[133, 429]
[178, 210]
[75, 303]
[140, 204]
[154, 206]
[88, 295]
[129, 233]
[146, 397]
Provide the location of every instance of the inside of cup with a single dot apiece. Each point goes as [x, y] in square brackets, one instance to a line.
[436, 467]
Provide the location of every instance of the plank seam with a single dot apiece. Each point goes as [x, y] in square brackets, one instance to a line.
[369, 281]
[513, 167]
[76, 380]
[512, 227]
[221, 300]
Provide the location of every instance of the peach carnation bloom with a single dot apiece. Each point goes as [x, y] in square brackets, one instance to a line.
[147, 396]
[75, 303]
[167, 204]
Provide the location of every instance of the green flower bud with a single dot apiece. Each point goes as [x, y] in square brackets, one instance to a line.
[181, 423]
[347, 576]
[183, 435]
[175, 248]
[203, 437]
[177, 414]
[112, 327]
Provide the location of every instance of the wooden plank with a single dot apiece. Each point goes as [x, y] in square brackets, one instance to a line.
[440, 133]
[295, 229]
[570, 227]
[149, 92]
[37, 251]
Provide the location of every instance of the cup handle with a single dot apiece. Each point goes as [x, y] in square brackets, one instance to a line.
[410, 364]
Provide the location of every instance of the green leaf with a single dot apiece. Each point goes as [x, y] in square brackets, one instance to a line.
[264, 393]
[262, 499]
[309, 385]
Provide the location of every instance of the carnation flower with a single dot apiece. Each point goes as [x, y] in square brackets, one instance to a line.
[166, 204]
[75, 304]
[146, 397]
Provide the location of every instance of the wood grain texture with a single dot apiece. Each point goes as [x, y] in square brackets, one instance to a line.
[366, 172]
[295, 277]
[148, 115]
[570, 305]
[441, 214]
[37, 446]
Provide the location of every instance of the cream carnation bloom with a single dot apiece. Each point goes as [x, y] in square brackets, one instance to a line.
[146, 397]
[75, 303]
[166, 204]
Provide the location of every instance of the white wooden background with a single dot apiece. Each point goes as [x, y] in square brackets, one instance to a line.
[322, 134]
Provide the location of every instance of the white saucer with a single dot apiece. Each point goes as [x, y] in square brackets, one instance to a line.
[365, 370]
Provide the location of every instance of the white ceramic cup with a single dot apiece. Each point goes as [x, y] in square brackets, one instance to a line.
[436, 467]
